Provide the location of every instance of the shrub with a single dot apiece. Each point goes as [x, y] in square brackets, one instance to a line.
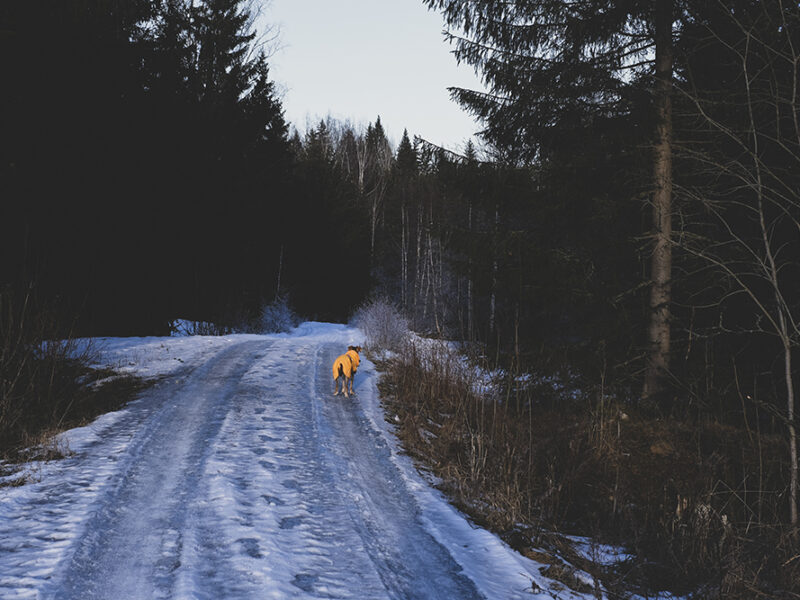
[384, 326]
[278, 316]
[182, 327]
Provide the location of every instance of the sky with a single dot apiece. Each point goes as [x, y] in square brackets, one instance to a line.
[357, 59]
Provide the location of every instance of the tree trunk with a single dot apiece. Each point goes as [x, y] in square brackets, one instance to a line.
[783, 313]
[661, 261]
[493, 295]
[375, 196]
[403, 256]
[470, 327]
[280, 269]
[418, 264]
[373, 222]
[793, 484]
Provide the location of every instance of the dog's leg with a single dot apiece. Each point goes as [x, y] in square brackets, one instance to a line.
[336, 387]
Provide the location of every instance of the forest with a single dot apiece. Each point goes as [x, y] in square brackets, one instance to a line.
[627, 223]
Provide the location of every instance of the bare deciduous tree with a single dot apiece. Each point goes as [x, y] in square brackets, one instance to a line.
[749, 157]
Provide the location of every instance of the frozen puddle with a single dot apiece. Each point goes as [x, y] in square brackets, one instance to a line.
[241, 476]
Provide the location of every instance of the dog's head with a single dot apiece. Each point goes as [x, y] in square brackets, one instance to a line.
[357, 349]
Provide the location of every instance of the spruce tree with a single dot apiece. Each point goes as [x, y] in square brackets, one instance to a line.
[558, 71]
[223, 33]
[378, 147]
[406, 156]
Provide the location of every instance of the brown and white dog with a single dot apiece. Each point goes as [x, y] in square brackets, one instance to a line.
[344, 368]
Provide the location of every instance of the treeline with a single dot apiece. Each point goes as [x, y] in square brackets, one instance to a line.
[147, 173]
[474, 247]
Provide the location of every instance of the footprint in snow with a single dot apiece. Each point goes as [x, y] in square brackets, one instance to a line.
[305, 581]
[250, 547]
[290, 522]
[273, 500]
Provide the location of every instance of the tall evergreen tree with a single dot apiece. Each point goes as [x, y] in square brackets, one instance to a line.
[223, 34]
[406, 156]
[556, 71]
[171, 63]
[378, 158]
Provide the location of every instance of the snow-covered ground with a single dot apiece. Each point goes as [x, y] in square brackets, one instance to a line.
[239, 475]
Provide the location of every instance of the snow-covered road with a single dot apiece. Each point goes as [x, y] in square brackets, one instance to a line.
[239, 475]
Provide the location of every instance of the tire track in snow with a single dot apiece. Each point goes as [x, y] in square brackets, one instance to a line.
[410, 562]
[132, 546]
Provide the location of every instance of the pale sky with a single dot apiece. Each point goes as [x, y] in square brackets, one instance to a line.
[357, 59]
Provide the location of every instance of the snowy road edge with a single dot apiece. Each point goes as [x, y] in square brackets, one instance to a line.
[463, 540]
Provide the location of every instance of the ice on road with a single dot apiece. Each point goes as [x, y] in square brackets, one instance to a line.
[240, 475]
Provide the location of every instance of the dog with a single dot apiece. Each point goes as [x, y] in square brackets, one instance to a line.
[344, 368]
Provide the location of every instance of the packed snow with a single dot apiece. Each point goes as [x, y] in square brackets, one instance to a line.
[238, 474]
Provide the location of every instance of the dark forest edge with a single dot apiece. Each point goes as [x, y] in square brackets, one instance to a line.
[48, 383]
[539, 462]
[147, 174]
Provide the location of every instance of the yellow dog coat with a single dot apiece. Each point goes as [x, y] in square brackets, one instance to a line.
[346, 364]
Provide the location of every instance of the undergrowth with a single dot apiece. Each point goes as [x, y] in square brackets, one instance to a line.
[699, 505]
[47, 386]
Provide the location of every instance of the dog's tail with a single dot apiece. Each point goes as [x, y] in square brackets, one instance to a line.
[339, 371]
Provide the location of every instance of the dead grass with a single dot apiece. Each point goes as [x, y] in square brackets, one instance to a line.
[701, 505]
[95, 392]
[47, 386]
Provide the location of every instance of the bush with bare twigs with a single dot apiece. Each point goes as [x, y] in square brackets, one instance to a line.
[278, 316]
[384, 326]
